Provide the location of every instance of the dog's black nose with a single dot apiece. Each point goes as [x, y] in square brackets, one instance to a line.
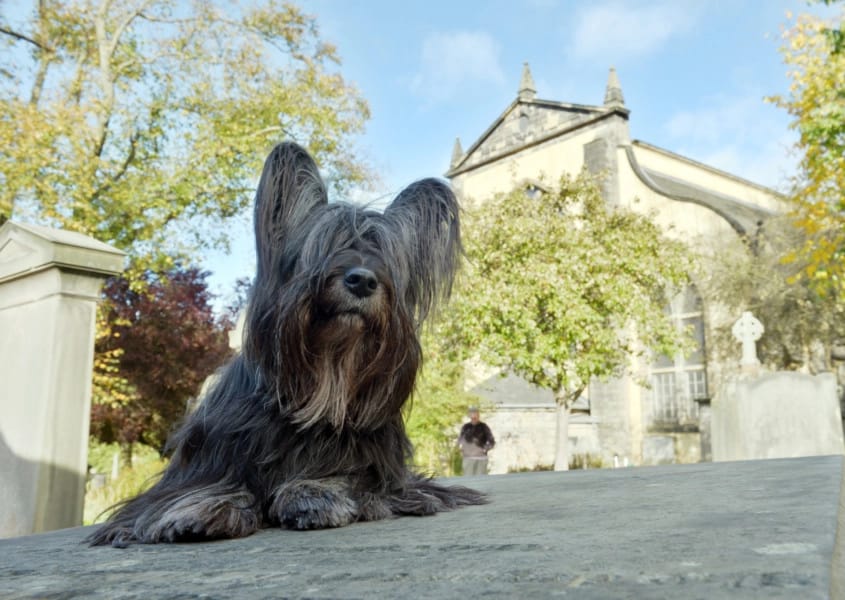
[360, 281]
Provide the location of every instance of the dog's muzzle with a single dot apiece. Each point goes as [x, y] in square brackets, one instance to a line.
[360, 281]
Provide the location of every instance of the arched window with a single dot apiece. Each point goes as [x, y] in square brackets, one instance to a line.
[677, 382]
[534, 188]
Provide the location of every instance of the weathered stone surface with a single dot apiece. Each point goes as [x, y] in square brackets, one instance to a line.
[658, 450]
[777, 415]
[49, 285]
[762, 529]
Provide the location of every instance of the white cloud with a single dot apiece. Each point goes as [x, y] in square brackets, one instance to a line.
[451, 62]
[739, 134]
[610, 32]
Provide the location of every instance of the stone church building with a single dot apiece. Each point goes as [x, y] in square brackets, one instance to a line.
[619, 422]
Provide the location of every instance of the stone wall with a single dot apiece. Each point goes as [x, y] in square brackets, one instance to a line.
[525, 437]
[671, 447]
[609, 405]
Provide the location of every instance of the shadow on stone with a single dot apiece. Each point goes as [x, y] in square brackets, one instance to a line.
[36, 496]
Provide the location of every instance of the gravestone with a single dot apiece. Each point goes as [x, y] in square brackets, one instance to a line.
[747, 330]
[777, 415]
[49, 286]
[784, 414]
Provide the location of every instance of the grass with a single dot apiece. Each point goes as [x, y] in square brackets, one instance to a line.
[146, 466]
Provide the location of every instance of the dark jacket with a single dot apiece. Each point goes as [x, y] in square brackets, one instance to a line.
[476, 439]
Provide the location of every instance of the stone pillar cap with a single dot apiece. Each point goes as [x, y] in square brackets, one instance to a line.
[26, 248]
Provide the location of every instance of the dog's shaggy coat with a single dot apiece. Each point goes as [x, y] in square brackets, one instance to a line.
[304, 427]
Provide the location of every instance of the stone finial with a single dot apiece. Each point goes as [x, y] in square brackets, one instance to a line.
[527, 89]
[613, 93]
[457, 153]
[747, 330]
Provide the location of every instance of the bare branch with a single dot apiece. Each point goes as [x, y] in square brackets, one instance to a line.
[117, 176]
[121, 27]
[25, 38]
[265, 131]
[153, 19]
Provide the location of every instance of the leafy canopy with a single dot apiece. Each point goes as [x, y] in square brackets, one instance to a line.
[813, 51]
[439, 403]
[161, 345]
[561, 288]
[144, 122]
[802, 325]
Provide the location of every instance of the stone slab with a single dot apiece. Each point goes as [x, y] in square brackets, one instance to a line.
[777, 415]
[755, 529]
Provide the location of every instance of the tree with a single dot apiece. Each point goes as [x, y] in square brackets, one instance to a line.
[439, 403]
[167, 341]
[813, 50]
[144, 122]
[802, 325]
[562, 289]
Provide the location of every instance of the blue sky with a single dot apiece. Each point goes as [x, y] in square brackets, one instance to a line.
[693, 72]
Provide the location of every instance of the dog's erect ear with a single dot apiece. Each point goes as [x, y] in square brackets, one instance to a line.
[289, 189]
[425, 219]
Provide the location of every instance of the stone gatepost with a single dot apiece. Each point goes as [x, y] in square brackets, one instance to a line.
[50, 282]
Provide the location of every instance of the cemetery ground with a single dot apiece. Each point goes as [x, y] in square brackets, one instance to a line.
[750, 529]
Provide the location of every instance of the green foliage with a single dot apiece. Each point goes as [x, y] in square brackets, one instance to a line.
[835, 35]
[812, 50]
[145, 468]
[801, 324]
[586, 461]
[532, 469]
[144, 123]
[562, 289]
[439, 405]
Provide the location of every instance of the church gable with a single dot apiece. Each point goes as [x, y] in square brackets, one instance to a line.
[525, 122]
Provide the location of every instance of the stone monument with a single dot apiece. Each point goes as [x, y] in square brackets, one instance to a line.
[50, 282]
[784, 414]
[747, 330]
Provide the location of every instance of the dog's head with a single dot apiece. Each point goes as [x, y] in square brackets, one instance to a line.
[341, 292]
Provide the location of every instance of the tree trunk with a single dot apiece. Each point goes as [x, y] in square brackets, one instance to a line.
[562, 444]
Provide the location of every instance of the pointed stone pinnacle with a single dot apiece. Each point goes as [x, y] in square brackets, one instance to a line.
[613, 93]
[527, 90]
[457, 152]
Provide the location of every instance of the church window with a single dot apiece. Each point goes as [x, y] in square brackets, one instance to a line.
[678, 382]
[532, 191]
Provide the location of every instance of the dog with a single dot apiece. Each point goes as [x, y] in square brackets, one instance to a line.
[304, 427]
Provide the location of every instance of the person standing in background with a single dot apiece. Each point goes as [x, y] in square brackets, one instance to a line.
[475, 441]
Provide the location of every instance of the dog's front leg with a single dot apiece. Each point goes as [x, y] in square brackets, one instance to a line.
[216, 511]
[313, 504]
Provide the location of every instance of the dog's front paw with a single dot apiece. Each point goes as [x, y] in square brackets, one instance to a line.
[313, 504]
[207, 513]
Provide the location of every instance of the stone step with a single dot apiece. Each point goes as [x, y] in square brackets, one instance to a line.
[754, 529]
